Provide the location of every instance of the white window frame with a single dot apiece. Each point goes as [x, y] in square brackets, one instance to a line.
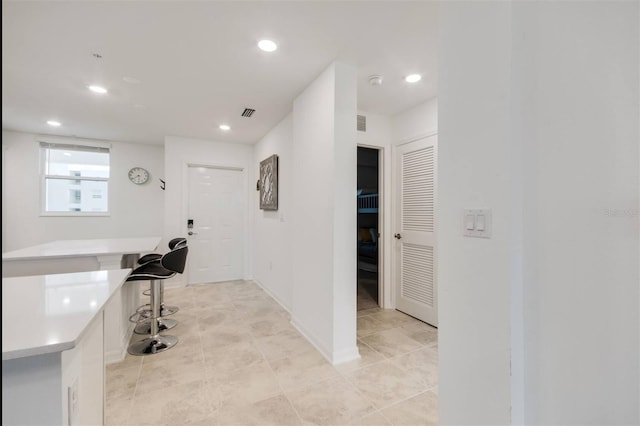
[73, 145]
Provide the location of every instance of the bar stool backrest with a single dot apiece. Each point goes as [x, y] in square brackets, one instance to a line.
[177, 242]
[175, 260]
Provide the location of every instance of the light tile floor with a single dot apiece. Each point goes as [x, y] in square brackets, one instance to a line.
[240, 362]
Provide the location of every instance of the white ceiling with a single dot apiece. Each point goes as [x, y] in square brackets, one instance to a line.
[198, 63]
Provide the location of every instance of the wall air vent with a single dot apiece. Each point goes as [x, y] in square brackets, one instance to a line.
[362, 123]
[248, 112]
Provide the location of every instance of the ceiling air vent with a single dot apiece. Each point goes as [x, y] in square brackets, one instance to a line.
[248, 112]
[362, 123]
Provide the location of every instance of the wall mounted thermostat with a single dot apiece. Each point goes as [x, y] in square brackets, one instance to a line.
[477, 223]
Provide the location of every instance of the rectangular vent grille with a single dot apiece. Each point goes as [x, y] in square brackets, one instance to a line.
[418, 190]
[362, 123]
[248, 112]
[417, 273]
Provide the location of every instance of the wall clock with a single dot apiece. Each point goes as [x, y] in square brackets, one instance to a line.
[138, 175]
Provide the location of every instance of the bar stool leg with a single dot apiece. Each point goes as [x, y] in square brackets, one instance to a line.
[164, 324]
[144, 327]
[155, 343]
[166, 310]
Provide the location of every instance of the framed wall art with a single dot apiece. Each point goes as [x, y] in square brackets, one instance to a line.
[268, 183]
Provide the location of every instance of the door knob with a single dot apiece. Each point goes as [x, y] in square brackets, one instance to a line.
[397, 236]
[192, 233]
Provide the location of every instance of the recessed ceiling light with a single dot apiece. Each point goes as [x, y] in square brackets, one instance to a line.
[98, 89]
[224, 127]
[68, 154]
[54, 123]
[267, 45]
[412, 78]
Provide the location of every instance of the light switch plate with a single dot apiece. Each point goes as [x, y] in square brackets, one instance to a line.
[481, 220]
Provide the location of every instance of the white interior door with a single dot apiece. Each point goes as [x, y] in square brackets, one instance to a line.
[416, 288]
[215, 205]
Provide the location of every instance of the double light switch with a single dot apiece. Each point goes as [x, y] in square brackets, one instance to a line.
[477, 223]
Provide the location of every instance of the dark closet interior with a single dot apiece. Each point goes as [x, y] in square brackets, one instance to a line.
[367, 228]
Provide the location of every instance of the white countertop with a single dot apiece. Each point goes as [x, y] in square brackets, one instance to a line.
[75, 248]
[49, 313]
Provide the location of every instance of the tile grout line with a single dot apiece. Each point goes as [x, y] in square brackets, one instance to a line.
[379, 410]
[235, 302]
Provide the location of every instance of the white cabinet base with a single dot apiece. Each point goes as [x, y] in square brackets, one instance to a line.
[35, 389]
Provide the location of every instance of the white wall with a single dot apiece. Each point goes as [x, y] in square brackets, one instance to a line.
[581, 224]
[136, 210]
[385, 132]
[416, 122]
[345, 177]
[474, 164]
[179, 152]
[378, 131]
[324, 213]
[272, 247]
[541, 324]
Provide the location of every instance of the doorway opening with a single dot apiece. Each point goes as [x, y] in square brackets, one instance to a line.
[368, 193]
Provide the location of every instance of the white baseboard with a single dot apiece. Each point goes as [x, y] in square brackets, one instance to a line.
[346, 355]
[312, 339]
[273, 296]
[334, 357]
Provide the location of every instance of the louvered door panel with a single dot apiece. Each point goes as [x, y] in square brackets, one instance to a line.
[417, 273]
[417, 190]
[416, 171]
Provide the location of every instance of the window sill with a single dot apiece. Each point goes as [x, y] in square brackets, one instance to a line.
[74, 214]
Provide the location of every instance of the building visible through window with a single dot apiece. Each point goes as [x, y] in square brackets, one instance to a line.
[76, 178]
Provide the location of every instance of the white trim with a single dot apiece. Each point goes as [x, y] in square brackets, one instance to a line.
[72, 141]
[272, 295]
[346, 355]
[415, 138]
[4, 180]
[215, 166]
[74, 214]
[311, 338]
[393, 254]
[334, 358]
[384, 285]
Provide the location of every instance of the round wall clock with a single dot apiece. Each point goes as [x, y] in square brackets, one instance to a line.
[138, 175]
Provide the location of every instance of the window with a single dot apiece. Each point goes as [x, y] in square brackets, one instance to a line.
[75, 179]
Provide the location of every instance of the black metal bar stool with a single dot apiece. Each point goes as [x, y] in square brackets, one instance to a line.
[143, 313]
[169, 265]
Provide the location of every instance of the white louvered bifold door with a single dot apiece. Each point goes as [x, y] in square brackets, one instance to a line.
[416, 287]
